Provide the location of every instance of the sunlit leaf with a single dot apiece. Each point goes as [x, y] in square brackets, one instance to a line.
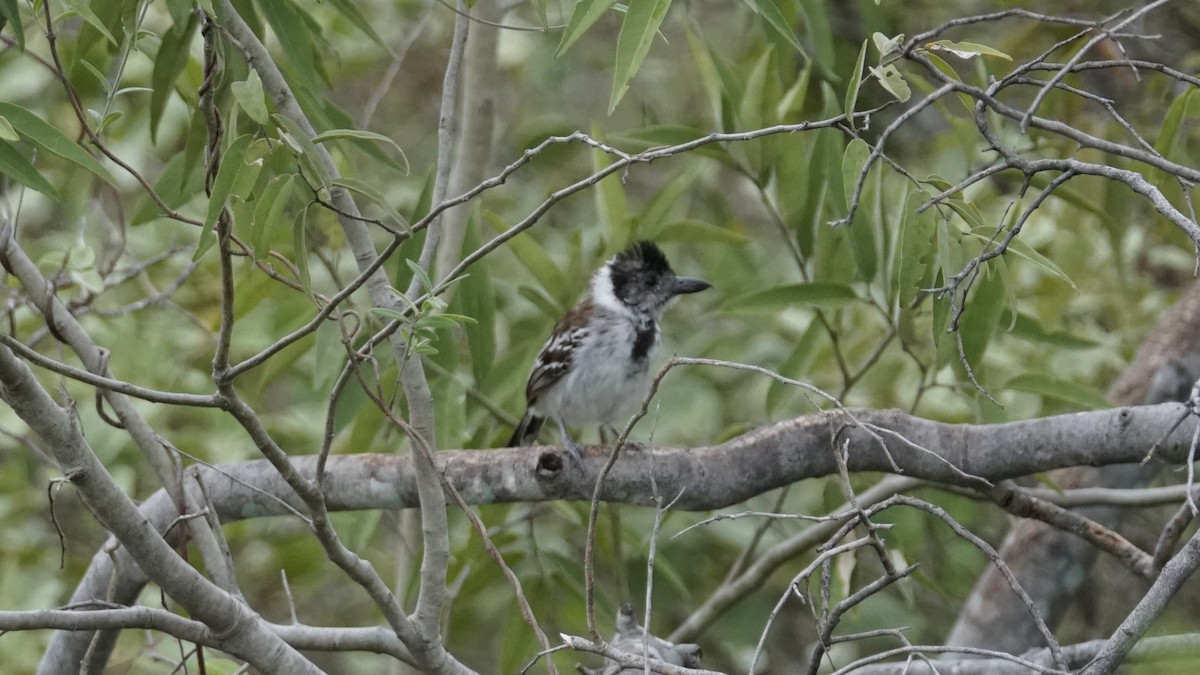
[855, 83]
[7, 132]
[889, 78]
[965, 50]
[249, 95]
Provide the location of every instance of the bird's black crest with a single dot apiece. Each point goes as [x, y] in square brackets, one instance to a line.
[646, 255]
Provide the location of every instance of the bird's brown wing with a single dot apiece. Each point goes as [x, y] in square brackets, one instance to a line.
[556, 356]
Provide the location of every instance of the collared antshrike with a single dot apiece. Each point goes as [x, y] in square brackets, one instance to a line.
[595, 366]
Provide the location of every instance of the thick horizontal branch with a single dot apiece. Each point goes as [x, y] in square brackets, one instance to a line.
[726, 474]
[1178, 648]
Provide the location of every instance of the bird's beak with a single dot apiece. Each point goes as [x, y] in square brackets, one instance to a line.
[688, 285]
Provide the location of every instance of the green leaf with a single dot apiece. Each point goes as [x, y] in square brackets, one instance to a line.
[982, 315]
[84, 10]
[476, 297]
[1062, 390]
[7, 132]
[769, 11]
[884, 44]
[300, 249]
[295, 35]
[350, 10]
[660, 206]
[535, 259]
[586, 13]
[373, 194]
[862, 237]
[37, 131]
[9, 10]
[231, 165]
[795, 365]
[267, 210]
[612, 207]
[1022, 250]
[306, 150]
[14, 165]
[644, 138]
[362, 135]
[1026, 327]
[637, 32]
[890, 79]
[692, 230]
[249, 95]
[916, 248]
[855, 83]
[965, 50]
[821, 293]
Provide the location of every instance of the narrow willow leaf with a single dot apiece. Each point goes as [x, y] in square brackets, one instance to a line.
[854, 85]
[1027, 327]
[10, 11]
[915, 253]
[612, 206]
[231, 166]
[1022, 250]
[534, 257]
[249, 95]
[296, 36]
[14, 165]
[37, 131]
[691, 230]
[637, 32]
[862, 235]
[476, 297]
[965, 50]
[1067, 391]
[306, 150]
[657, 211]
[84, 10]
[795, 365]
[7, 132]
[982, 315]
[362, 135]
[350, 10]
[267, 210]
[823, 293]
[300, 249]
[373, 194]
[586, 13]
[769, 11]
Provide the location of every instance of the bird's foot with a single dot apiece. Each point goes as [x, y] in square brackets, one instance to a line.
[574, 449]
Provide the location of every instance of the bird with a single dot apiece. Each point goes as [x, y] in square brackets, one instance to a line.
[595, 366]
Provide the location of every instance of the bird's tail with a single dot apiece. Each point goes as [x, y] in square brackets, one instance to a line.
[527, 430]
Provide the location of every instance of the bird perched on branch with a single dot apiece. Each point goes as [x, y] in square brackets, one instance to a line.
[595, 366]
